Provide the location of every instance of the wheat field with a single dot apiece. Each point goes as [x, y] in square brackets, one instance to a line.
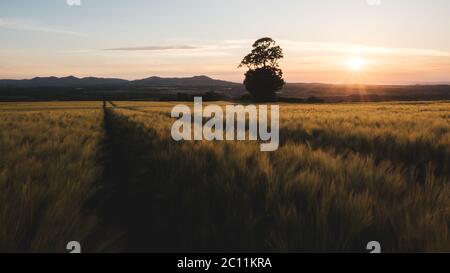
[49, 163]
[110, 176]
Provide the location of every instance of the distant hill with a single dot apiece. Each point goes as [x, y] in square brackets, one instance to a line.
[72, 81]
[191, 81]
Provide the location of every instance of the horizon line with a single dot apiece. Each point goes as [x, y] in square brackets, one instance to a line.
[230, 81]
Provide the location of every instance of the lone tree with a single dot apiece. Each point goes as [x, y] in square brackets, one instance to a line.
[264, 77]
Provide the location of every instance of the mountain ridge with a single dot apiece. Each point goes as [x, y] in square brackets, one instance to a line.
[153, 81]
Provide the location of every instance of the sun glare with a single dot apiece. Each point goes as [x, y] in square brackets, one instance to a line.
[356, 64]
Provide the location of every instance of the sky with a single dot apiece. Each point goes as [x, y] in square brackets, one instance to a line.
[330, 41]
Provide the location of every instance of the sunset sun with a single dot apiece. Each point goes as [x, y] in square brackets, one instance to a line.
[356, 64]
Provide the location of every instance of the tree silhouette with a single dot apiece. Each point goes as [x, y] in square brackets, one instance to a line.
[264, 77]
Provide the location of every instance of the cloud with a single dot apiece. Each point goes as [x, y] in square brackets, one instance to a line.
[31, 26]
[152, 48]
[74, 51]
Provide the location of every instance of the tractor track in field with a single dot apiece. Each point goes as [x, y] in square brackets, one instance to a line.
[127, 209]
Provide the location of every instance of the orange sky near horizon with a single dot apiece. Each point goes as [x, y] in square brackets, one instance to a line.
[303, 62]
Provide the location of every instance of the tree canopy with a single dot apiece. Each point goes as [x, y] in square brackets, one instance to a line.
[264, 77]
